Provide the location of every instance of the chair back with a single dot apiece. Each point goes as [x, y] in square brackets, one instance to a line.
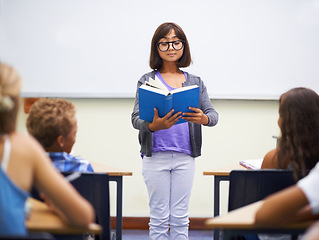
[95, 188]
[248, 186]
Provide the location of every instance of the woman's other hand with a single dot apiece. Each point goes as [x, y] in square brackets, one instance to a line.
[165, 122]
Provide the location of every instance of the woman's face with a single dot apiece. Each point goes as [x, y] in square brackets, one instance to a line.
[171, 55]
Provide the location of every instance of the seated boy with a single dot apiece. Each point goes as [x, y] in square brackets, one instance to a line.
[53, 123]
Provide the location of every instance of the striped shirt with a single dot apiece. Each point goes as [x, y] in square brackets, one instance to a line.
[65, 162]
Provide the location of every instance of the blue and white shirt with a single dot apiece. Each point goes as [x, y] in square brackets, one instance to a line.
[65, 162]
[12, 199]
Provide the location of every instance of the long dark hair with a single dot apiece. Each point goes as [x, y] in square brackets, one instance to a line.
[165, 28]
[299, 142]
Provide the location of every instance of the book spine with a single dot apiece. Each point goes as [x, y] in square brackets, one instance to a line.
[168, 103]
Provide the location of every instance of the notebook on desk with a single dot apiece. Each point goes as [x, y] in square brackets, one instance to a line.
[252, 163]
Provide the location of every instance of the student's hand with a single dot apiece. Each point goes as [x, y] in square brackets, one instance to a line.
[51, 206]
[165, 122]
[48, 202]
[196, 117]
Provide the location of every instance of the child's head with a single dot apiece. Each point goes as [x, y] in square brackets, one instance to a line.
[299, 111]
[163, 30]
[53, 123]
[299, 124]
[9, 98]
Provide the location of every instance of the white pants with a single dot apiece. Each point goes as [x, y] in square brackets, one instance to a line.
[169, 179]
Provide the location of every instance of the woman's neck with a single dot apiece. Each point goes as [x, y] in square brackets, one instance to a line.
[173, 77]
[170, 68]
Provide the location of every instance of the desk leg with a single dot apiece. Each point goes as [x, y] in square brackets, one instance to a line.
[119, 205]
[227, 235]
[217, 180]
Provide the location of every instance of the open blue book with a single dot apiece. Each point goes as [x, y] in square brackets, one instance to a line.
[154, 94]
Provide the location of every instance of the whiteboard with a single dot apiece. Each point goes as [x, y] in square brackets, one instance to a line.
[247, 49]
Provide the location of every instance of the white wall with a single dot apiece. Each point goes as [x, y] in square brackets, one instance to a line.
[105, 135]
[248, 49]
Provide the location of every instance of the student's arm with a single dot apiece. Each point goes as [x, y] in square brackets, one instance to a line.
[286, 206]
[270, 160]
[75, 209]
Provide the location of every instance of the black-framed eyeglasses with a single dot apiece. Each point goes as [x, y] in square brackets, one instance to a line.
[164, 46]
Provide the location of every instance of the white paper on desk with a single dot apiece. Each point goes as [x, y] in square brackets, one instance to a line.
[252, 163]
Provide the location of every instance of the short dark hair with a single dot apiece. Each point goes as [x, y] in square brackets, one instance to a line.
[164, 29]
[49, 118]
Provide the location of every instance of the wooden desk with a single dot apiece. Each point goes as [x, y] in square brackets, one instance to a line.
[242, 221]
[224, 171]
[116, 175]
[44, 220]
[221, 174]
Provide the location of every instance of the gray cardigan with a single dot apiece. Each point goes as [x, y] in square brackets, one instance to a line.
[195, 130]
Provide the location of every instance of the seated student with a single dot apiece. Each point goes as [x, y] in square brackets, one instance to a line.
[53, 123]
[24, 164]
[296, 203]
[298, 146]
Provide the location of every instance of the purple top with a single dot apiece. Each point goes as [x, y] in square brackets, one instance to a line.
[175, 138]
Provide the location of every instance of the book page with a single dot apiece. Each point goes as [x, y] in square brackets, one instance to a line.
[156, 83]
[159, 83]
[252, 163]
[154, 89]
[182, 89]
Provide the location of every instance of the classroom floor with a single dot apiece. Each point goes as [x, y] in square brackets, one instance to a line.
[143, 234]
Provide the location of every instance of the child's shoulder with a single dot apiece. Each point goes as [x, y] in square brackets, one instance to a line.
[22, 138]
[147, 75]
[192, 76]
[25, 142]
[193, 79]
[25, 147]
[270, 160]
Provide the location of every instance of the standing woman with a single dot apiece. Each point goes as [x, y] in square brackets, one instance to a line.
[169, 150]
